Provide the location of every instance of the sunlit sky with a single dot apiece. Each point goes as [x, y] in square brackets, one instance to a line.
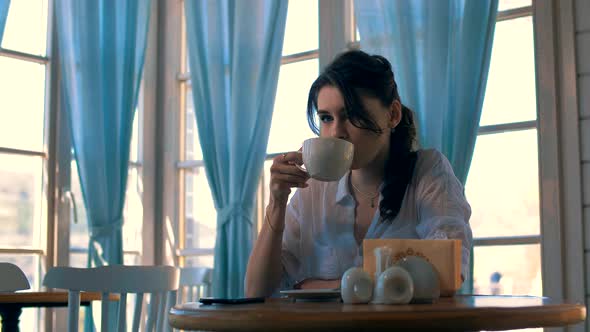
[500, 161]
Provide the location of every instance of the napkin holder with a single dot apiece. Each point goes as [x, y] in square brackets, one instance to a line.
[445, 255]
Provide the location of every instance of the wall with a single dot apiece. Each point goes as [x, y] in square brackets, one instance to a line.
[582, 37]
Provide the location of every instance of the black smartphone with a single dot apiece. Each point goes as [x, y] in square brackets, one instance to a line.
[245, 300]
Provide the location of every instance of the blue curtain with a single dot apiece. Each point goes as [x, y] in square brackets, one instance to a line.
[4, 5]
[234, 54]
[102, 47]
[440, 52]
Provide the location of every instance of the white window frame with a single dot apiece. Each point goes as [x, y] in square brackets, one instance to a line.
[43, 249]
[559, 151]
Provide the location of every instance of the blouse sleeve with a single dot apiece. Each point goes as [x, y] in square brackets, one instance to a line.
[443, 210]
[291, 246]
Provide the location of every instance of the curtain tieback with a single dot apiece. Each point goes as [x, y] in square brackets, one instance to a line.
[233, 210]
[105, 229]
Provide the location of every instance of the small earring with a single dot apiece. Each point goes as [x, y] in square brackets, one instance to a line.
[393, 130]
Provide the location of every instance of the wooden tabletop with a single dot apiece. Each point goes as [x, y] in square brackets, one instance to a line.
[463, 313]
[48, 298]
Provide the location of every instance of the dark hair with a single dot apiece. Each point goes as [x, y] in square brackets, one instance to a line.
[355, 74]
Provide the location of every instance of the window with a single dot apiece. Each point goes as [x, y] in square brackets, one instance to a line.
[503, 183]
[24, 144]
[30, 165]
[505, 223]
[300, 66]
[132, 211]
[503, 187]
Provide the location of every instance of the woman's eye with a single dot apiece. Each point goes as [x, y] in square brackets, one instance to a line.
[326, 118]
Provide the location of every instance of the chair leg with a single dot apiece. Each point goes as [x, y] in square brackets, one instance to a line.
[152, 312]
[122, 312]
[104, 321]
[73, 310]
[160, 318]
[170, 302]
[137, 312]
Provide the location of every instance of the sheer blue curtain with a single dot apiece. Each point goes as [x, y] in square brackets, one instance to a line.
[4, 5]
[440, 51]
[102, 46]
[235, 55]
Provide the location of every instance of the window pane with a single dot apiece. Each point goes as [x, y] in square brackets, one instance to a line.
[132, 212]
[31, 266]
[26, 27]
[131, 259]
[81, 259]
[21, 198]
[200, 213]
[192, 143]
[135, 151]
[503, 185]
[510, 91]
[78, 259]
[205, 261]
[302, 29]
[22, 94]
[79, 226]
[289, 126]
[511, 4]
[513, 270]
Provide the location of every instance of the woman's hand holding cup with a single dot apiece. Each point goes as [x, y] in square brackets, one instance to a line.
[284, 175]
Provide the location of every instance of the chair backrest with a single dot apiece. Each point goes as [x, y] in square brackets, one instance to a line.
[12, 278]
[195, 282]
[159, 281]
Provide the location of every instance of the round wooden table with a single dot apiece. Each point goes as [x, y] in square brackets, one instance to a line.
[459, 313]
[11, 304]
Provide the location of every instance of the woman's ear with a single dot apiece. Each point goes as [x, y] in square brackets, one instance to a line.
[395, 114]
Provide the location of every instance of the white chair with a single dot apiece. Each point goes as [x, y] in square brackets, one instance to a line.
[12, 278]
[195, 282]
[159, 281]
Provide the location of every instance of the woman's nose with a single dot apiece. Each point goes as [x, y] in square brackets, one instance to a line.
[339, 130]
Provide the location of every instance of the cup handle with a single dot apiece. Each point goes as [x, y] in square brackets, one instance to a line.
[301, 167]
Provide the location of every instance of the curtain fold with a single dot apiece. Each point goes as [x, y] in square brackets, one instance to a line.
[234, 56]
[440, 52]
[102, 48]
[4, 6]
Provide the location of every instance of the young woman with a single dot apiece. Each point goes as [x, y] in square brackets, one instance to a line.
[393, 190]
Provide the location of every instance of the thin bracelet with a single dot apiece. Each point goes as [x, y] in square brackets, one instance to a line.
[269, 225]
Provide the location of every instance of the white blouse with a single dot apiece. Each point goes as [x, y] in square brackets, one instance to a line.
[318, 241]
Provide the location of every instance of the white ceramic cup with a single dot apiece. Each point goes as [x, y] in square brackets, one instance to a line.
[425, 278]
[356, 286]
[327, 158]
[394, 286]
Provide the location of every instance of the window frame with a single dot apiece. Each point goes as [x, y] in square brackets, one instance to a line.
[41, 249]
[335, 33]
[53, 247]
[548, 25]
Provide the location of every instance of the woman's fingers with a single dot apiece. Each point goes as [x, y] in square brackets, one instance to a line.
[293, 157]
[287, 167]
[290, 180]
[284, 174]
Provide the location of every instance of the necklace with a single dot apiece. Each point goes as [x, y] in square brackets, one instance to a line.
[368, 195]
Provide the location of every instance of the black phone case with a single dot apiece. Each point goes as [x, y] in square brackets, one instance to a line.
[245, 300]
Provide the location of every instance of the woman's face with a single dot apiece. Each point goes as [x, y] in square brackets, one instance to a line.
[368, 145]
